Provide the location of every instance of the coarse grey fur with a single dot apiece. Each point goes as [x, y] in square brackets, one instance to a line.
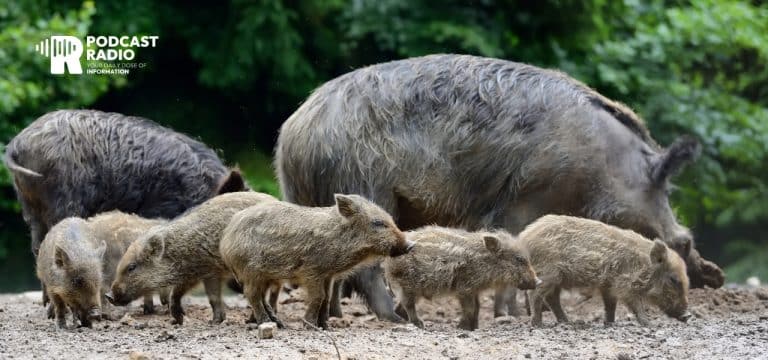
[310, 246]
[84, 162]
[182, 253]
[569, 252]
[474, 142]
[447, 261]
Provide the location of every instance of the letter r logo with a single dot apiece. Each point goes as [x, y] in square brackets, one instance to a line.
[63, 50]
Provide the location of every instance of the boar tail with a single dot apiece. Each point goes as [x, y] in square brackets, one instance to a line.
[11, 164]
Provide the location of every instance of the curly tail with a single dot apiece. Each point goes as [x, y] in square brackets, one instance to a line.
[11, 164]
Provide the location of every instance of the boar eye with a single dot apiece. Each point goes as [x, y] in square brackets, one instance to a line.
[77, 282]
[519, 259]
[131, 267]
[378, 223]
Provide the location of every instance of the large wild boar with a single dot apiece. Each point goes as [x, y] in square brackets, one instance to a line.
[475, 142]
[84, 162]
[182, 253]
[570, 252]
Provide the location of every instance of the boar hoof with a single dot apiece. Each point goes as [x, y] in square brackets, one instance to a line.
[177, 320]
[400, 311]
[419, 324]
[51, 312]
[466, 325]
[149, 309]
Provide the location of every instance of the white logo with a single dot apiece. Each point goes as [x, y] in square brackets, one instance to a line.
[63, 50]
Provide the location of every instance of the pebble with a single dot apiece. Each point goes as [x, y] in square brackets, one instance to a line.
[135, 355]
[502, 320]
[267, 330]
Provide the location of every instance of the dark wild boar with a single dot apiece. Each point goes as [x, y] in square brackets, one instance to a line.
[85, 162]
[447, 261]
[312, 247]
[182, 253]
[472, 142]
[570, 252]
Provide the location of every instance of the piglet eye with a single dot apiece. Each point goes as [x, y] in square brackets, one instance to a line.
[131, 267]
[519, 259]
[378, 223]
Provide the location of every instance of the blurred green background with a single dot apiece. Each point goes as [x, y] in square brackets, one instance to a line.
[229, 73]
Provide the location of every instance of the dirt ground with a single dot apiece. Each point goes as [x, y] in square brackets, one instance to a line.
[728, 324]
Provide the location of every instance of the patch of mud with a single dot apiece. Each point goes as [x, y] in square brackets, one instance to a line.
[729, 323]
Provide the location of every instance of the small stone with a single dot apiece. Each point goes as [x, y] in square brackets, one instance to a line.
[753, 281]
[135, 355]
[267, 330]
[140, 325]
[251, 326]
[762, 294]
[527, 355]
[463, 335]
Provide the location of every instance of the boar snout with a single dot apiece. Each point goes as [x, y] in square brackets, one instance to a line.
[116, 298]
[402, 249]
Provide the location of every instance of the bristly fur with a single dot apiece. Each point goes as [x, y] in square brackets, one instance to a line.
[91, 161]
[472, 142]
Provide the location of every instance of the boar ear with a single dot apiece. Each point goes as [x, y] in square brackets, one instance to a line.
[61, 258]
[346, 205]
[102, 249]
[155, 247]
[232, 183]
[491, 243]
[682, 152]
[658, 252]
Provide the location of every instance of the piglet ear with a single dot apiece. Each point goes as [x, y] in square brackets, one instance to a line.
[61, 258]
[347, 206]
[155, 247]
[491, 243]
[658, 252]
[682, 152]
[232, 183]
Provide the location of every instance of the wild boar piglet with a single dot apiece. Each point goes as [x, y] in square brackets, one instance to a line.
[309, 246]
[80, 259]
[569, 252]
[447, 261]
[182, 253]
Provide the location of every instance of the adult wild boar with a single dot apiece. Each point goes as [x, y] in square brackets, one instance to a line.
[474, 142]
[84, 162]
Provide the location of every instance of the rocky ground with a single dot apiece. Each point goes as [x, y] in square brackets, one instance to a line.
[728, 323]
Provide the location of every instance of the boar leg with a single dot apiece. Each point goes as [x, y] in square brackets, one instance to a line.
[408, 303]
[370, 283]
[470, 309]
[335, 304]
[274, 294]
[637, 309]
[61, 311]
[165, 294]
[505, 301]
[254, 290]
[610, 305]
[149, 305]
[316, 293]
[553, 300]
[213, 291]
[325, 306]
[538, 306]
[177, 311]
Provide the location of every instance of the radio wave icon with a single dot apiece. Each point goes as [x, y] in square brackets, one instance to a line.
[62, 50]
